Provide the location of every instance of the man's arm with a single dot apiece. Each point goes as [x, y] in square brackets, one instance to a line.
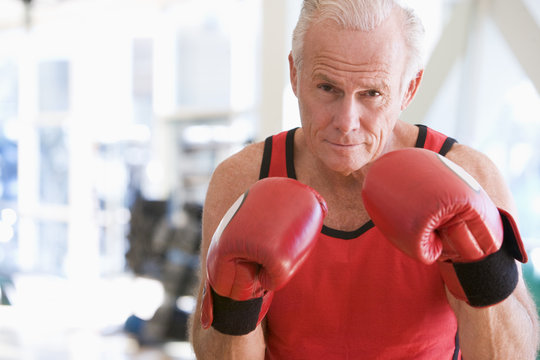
[229, 181]
[508, 330]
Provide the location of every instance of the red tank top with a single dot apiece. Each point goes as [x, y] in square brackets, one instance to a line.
[358, 297]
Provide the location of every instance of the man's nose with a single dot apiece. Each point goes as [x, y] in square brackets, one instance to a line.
[347, 118]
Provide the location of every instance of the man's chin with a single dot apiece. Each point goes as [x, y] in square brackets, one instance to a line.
[346, 168]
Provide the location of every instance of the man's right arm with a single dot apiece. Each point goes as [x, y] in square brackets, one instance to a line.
[230, 179]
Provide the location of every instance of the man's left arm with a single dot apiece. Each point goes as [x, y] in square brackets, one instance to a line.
[509, 329]
[457, 212]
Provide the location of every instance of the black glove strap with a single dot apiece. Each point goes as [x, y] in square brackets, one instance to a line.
[491, 280]
[233, 317]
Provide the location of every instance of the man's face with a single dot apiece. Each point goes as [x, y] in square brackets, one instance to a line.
[349, 92]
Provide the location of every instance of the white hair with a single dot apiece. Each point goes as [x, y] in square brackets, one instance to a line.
[363, 15]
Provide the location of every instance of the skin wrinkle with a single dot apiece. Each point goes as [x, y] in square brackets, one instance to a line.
[337, 67]
[362, 85]
[372, 104]
[350, 66]
[379, 85]
[321, 73]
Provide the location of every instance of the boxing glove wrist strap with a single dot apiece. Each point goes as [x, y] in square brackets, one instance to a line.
[234, 317]
[491, 280]
[488, 281]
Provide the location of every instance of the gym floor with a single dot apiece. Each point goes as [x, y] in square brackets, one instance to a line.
[56, 320]
[18, 343]
[81, 345]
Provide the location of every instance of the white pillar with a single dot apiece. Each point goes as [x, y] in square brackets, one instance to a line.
[274, 66]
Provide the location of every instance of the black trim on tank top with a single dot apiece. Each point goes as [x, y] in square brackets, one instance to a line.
[447, 145]
[347, 235]
[289, 153]
[422, 135]
[267, 157]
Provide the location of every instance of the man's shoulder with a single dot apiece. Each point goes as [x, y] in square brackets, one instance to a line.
[246, 162]
[239, 170]
[485, 171]
[474, 161]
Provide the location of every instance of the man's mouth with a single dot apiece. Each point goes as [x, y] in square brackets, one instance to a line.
[342, 144]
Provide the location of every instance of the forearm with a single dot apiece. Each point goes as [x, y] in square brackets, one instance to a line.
[508, 330]
[211, 344]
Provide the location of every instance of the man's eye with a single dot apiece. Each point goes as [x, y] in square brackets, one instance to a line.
[373, 93]
[325, 87]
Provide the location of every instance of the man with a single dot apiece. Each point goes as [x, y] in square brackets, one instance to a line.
[398, 289]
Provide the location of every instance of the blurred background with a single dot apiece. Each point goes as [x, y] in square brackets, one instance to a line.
[113, 114]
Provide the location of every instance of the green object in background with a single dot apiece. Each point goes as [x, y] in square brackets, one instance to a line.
[532, 280]
[5, 282]
[533, 283]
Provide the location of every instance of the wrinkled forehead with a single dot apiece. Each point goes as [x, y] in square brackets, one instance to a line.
[383, 46]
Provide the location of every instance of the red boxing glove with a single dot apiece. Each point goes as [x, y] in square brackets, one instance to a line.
[432, 210]
[258, 246]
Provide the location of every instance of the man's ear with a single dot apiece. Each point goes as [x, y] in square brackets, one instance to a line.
[411, 90]
[292, 73]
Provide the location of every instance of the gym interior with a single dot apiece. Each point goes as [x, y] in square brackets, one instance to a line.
[114, 113]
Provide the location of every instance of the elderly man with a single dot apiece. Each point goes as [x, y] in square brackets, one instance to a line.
[357, 235]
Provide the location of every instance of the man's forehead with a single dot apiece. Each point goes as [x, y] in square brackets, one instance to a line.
[352, 50]
[324, 67]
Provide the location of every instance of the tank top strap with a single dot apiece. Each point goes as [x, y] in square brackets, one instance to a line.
[434, 140]
[278, 156]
